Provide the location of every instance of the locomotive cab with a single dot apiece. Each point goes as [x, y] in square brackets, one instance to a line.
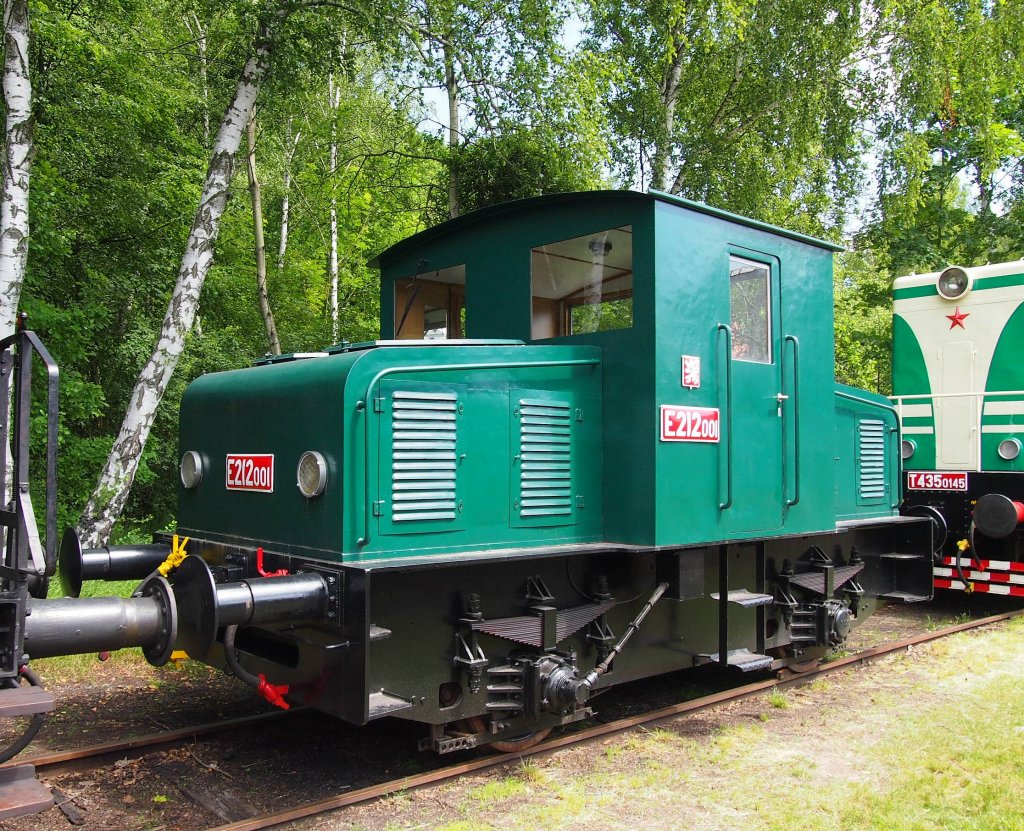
[717, 352]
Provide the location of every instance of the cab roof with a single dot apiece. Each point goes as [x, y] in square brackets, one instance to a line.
[519, 205]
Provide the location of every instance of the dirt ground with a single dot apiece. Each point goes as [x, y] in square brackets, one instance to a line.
[307, 756]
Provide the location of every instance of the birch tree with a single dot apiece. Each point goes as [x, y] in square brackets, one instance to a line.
[115, 481]
[333, 97]
[291, 144]
[259, 245]
[17, 162]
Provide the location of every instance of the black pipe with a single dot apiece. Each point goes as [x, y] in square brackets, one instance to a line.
[73, 626]
[205, 606]
[114, 562]
[272, 600]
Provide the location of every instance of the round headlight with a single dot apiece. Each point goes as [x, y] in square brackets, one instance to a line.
[953, 283]
[907, 448]
[191, 469]
[1009, 449]
[312, 474]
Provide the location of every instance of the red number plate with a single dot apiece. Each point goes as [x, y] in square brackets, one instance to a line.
[689, 423]
[936, 480]
[250, 472]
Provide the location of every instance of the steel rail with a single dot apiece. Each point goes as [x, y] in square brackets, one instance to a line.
[420, 780]
[93, 756]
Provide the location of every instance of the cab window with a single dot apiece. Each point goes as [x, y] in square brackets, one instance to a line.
[749, 293]
[431, 306]
[583, 284]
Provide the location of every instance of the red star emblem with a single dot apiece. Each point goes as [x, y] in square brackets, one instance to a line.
[957, 319]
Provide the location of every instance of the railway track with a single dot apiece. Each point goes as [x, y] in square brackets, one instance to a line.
[95, 756]
[438, 775]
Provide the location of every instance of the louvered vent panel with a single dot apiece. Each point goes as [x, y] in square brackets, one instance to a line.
[423, 456]
[871, 435]
[545, 451]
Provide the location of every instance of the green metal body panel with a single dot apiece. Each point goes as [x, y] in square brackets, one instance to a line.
[343, 406]
[910, 377]
[867, 461]
[1005, 374]
[495, 246]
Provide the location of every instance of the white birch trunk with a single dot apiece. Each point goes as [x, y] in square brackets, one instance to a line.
[17, 162]
[669, 94]
[259, 246]
[108, 499]
[334, 96]
[198, 32]
[291, 144]
[452, 88]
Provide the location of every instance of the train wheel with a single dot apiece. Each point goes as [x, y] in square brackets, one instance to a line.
[477, 724]
[804, 666]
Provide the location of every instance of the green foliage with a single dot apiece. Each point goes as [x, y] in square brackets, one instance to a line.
[949, 118]
[863, 322]
[745, 105]
[519, 164]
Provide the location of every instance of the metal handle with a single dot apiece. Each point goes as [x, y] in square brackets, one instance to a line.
[727, 503]
[895, 433]
[796, 423]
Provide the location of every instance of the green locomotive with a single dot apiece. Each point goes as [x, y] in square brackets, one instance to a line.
[958, 385]
[601, 439]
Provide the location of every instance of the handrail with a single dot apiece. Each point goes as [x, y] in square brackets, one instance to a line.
[361, 406]
[796, 423]
[16, 361]
[930, 395]
[979, 416]
[722, 505]
[896, 460]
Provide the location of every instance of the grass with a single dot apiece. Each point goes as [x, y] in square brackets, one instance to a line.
[933, 745]
[778, 699]
[934, 624]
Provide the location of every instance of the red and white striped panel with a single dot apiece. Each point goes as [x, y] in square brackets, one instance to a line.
[993, 576]
[986, 565]
[989, 588]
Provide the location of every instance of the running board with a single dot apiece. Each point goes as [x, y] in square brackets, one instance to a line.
[743, 659]
[21, 793]
[904, 597]
[384, 704]
[25, 701]
[741, 597]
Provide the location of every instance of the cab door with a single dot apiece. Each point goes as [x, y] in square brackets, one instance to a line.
[754, 417]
